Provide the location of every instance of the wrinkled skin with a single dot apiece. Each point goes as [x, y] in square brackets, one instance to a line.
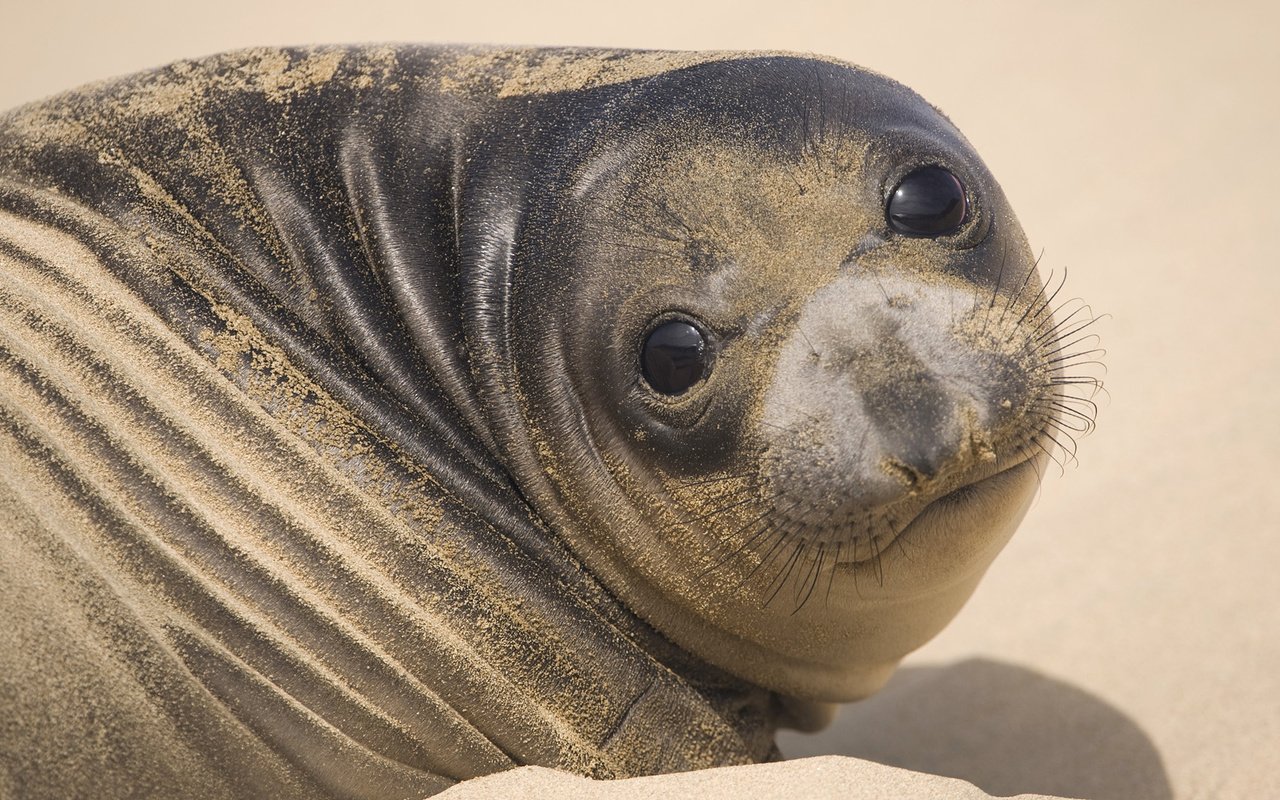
[331, 465]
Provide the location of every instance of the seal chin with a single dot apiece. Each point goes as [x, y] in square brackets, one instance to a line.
[878, 609]
[935, 512]
[954, 528]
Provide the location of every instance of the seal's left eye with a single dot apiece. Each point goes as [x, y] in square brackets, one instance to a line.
[929, 201]
[674, 357]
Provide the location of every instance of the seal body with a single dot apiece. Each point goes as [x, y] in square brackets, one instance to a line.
[339, 458]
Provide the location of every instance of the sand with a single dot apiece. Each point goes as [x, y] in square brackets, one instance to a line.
[1125, 643]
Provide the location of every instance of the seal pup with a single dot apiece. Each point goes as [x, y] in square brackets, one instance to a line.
[374, 418]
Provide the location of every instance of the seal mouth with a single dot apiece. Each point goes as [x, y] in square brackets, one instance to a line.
[967, 494]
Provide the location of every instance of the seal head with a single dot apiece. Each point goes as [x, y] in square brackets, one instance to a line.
[781, 378]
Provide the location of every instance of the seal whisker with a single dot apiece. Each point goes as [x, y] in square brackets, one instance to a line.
[761, 523]
[831, 574]
[783, 428]
[995, 289]
[715, 479]
[664, 206]
[1032, 303]
[777, 537]
[857, 588]
[1062, 322]
[1052, 457]
[1080, 405]
[875, 275]
[1061, 319]
[1075, 380]
[784, 572]
[1050, 403]
[1084, 401]
[1039, 308]
[1026, 280]
[717, 511]
[1030, 456]
[895, 524]
[1060, 327]
[1063, 328]
[1079, 380]
[806, 135]
[876, 562]
[810, 573]
[632, 227]
[1074, 414]
[977, 303]
[812, 350]
[639, 248]
[778, 534]
[1056, 423]
[812, 580]
[1069, 390]
[1048, 308]
[1069, 454]
[1066, 429]
[1064, 346]
[1063, 360]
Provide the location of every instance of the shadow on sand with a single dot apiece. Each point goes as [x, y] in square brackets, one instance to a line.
[1005, 729]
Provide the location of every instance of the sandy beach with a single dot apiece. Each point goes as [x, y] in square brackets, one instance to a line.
[1125, 643]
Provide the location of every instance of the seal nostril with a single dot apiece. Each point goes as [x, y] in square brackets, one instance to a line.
[911, 411]
[916, 465]
[907, 474]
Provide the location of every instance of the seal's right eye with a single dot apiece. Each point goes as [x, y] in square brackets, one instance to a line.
[674, 357]
[929, 201]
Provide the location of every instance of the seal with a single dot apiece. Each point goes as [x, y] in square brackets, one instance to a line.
[374, 418]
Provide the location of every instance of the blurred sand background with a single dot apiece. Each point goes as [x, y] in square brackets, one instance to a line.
[1127, 644]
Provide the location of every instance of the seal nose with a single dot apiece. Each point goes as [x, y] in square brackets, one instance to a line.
[908, 407]
[879, 400]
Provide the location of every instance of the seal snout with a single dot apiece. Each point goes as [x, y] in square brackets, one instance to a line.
[910, 413]
[882, 402]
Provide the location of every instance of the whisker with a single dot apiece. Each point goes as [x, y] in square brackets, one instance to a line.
[1026, 279]
[753, 523]
[876, 563]
[812, 582]
[784, 572]
[995, 290]
[831, 574]
[722, 509]
[1068, 346]
[715, 479]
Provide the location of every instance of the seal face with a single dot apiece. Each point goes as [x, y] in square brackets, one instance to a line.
[375, 418]
[855, 430]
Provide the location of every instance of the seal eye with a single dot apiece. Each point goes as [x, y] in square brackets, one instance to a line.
[674, 357]
[929, 201]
